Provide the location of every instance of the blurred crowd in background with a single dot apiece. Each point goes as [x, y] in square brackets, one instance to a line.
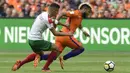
[31, 8]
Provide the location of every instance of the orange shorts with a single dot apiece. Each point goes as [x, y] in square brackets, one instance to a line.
[67, 41]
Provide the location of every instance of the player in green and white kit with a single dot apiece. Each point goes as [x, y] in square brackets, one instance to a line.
[41, 23]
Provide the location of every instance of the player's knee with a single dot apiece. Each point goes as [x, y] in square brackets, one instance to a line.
[81, 47]
[82, 50]
[59, 51]
[54, 47]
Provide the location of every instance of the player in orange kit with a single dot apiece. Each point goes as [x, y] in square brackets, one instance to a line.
[74, 21]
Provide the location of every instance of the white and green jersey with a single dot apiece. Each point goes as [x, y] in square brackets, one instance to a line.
[41, 23]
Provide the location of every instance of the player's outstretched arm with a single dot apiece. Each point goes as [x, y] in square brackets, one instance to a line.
[84, 32]
[60, 23]
[66, 24]
[56, 33]
[68, 14]
[62, 13]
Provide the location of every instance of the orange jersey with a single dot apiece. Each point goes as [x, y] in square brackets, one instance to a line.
[75, 19]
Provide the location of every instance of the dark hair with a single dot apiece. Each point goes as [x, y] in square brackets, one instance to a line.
[54, 5]
[85, 6]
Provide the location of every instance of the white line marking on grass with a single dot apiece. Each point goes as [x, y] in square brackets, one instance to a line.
[21, 67]
[58, 61]
[97, 53]
[67, 61]
[18, 53]
[0, 31]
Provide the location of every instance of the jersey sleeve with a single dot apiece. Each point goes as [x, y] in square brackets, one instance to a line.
[71, 14]
[50, 24]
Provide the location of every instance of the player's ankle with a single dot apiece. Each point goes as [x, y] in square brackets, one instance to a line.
[45, 68]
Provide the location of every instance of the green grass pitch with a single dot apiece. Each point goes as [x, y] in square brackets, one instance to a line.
[88, 62]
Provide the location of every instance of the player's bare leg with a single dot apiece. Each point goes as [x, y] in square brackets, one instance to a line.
[37, 58]
[61, 62]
